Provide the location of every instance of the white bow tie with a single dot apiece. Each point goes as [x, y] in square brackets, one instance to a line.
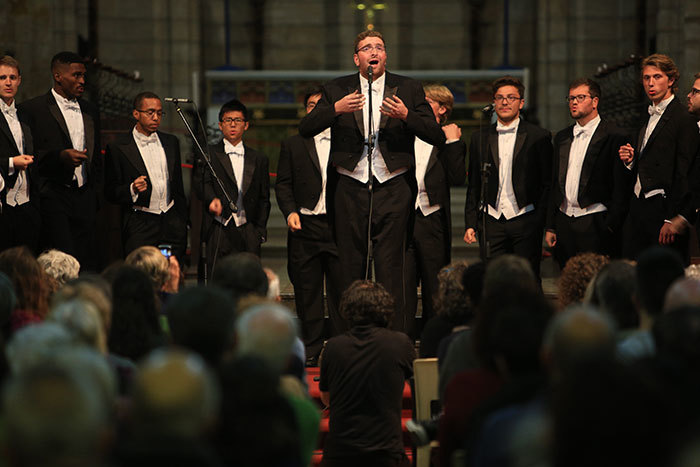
[72, 105]
[579, 131]
[153, 138]
[506, 129]
[236, 153]
[655, 110]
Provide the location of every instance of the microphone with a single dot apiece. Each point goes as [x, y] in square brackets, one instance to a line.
[488, 108]
[178, 100]
[369, 73]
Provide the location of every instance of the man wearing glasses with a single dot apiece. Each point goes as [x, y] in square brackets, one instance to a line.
[244, 174]
[694, 99]
[143, 174]
[66, 134]
[399, 114]
[517, 158]
[590, 190]
[661, 204]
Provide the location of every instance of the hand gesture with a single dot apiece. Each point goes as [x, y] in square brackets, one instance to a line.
[452, 131]
[626, 153]
[350, 103]
[140, 184]
[470, 236]
[215, 207]
[73, 156]
[294, 222]
[394, 107]
[550, 238]
[22, 161]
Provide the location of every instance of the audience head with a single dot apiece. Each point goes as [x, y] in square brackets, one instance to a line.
[135, 328]
[267, 331]
[30, 281]
[174, 393]
[578, 334]
[36, 343]
[90, 288]
[657, 268]
[577, 274]
[508, 271]
[150, 260]
[201, 319]
[452, 301]
[684, 291]
[54, 416]
[61, 266]
[677, 336]
[367, 303]
[82, 318]
[8, 301]
[613, 293]
[240, 274]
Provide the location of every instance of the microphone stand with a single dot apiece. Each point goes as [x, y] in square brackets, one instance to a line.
[484, 207]
[204, 156]
[370, 182]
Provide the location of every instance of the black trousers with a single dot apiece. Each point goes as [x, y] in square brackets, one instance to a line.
[313, 257]
[227, 240]
[68, 217]
[143, 228]
[391, 212]
[521, 235]
[642, 226]
[581, 234]
[20, 226]
[426, 255]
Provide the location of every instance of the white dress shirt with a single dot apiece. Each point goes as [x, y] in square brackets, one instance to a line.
[577, 154]
[322, 141]
[423, 151]
[236, 155]
[506, 204]
[153, 155]
[18, 193]
[379, 168]
[655, 113]
[70, 109]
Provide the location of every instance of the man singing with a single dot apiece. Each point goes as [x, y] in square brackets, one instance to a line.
[399, 113]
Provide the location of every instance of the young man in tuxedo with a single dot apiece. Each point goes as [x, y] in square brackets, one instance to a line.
[590, 190]
[660, 163]
[66, 134]
[519, 155]
[244, 174]
[20, 216]
[312, 253]
[143, 174]
[399, 114]
[437, 168]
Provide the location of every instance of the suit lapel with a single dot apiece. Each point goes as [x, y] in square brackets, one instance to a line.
[169, 159]
[313, 154]
[89, 127]
[225, 162]
[564, 151]
[56, 112]
[133, 155]
[27, 137]
[665, 117]
[359, 118]
[493, 147]
[248, 169]
[432, 160]
[519, 141]
[5, 127]
[389, 91]
[591, 155]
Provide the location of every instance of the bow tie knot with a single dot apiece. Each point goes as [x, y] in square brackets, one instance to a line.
[579, 131]
[506, 129]
[150, 139]
[72, 105]
[655, 110]
[236, 153]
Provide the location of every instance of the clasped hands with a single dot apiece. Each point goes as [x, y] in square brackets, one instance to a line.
[392, 106]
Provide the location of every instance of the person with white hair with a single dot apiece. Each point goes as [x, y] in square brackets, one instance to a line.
[61, 266]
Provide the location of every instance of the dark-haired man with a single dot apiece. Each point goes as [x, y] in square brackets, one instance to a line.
[519, 155]
[362, 378]
[66, 133]
[143, 174]
[311, 250]
[20, 217]
[591, 186]
[244, 173]
[399, 114]
[660, 163]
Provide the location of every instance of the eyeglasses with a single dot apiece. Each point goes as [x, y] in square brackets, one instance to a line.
[152, 112]
[693, 92]
[580, 98]
[368, 48]
[509, 99]
[232, 121]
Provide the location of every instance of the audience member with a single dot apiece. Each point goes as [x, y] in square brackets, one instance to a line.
[684, 291]
[61, 266]
[82, 319]
[576, 275]
[241, 274]
[31, 285]
[8, 301]
[363, 373]
[613, 293]
[164, 272]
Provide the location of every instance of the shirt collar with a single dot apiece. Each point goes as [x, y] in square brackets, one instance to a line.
[11, 109]
[513, 127]
[588, 127]
[63, 102]
[661, 106]
[237, 149]
[377, 84]
[143, 139]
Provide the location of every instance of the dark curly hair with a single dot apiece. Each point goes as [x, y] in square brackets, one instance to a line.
[32, 285]
[577, 274]
[451, 300]
[366, 302]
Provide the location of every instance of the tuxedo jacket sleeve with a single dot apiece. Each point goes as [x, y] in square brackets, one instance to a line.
[9, 149]
[50, 134]
[604, 178]
[299, 180]
[395, 137]
[667, 159]
[124, 164]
